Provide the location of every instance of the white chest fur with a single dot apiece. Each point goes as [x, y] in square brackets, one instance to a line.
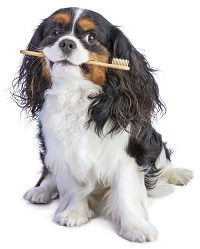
[70, 144]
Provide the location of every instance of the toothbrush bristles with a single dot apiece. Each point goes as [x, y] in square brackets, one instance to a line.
[121, 62]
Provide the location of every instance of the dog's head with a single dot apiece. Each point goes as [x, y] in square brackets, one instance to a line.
[69, 38]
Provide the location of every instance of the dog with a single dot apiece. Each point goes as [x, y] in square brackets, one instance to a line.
[95, 124]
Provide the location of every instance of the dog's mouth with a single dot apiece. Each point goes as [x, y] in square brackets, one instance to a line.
[84, 67]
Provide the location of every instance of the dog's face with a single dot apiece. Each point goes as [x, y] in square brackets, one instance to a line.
[73, 36]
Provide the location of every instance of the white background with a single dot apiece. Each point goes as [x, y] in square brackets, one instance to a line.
[167, 32]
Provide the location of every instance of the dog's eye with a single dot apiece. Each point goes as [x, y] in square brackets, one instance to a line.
[54, 32]
[90, 39]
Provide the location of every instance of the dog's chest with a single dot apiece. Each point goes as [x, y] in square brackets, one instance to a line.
[70, 142]
[64, 114]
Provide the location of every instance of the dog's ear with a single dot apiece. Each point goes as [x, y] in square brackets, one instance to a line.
[128, 96]
[33, 79]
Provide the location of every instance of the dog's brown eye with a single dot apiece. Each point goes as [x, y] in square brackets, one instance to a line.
[54, 32]
[90, 39]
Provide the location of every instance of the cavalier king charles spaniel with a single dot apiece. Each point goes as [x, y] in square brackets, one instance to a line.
[98, 145]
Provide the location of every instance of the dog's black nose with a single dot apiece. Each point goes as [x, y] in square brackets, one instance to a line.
[67, 46]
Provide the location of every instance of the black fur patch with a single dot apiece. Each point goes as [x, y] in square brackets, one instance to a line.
[146, 147]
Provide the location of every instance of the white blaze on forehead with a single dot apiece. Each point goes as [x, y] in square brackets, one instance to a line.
[76, 17]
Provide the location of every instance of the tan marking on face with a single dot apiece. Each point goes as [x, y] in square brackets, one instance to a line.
[86, 24]
[45, 70]
[66, 18]
[97, 74]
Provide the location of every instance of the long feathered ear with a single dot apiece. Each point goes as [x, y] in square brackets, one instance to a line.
[33, 79]
[128, 96]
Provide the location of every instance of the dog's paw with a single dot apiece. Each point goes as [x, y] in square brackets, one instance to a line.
[179, 176]
[74, 217]
[146, 233]
[40, 195]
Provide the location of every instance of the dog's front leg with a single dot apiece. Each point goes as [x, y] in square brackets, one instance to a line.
[73, 208]
[127, 203]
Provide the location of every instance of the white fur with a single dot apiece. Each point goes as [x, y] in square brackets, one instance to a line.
[43, 193]
[169, 177]
[78, 13]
